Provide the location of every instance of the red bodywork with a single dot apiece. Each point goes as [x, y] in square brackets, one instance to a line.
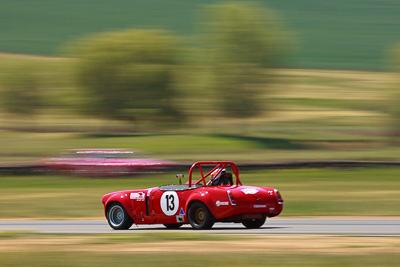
[169, 204]
[103, 162]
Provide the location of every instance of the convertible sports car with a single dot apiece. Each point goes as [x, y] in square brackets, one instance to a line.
[215, 197]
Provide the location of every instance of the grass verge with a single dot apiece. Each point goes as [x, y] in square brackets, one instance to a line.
[307, 192]
[199, 250]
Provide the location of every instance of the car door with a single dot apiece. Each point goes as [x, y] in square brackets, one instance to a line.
[168, 206]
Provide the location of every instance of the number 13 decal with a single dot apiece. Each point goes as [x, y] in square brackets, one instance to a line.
[169, 203]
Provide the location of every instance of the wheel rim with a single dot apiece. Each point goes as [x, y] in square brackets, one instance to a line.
[116, 215]
[200, 216]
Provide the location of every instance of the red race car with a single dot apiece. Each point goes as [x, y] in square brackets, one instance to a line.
[215, 197]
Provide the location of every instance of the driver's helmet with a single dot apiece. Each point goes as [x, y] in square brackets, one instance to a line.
[215, 175]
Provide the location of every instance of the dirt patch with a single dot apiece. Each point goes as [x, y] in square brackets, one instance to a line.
[330, 84]
[41, 244]
[342, 74]
[244, 244]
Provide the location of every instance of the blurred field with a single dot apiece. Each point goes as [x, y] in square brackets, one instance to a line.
[344, 34]
[307, 192]
[181, 249]
[313, 114]
[182, 259]
[28, 148]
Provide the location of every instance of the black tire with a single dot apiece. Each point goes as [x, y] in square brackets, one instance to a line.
[200, 217]
[255, 223]
[118, 218]
[173, 225]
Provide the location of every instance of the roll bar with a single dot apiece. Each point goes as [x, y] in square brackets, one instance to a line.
[218, 164]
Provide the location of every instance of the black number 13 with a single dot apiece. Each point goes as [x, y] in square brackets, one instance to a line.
[170, 202]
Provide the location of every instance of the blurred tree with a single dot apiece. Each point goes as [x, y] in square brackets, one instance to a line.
[243, 40]
[129, 75]
[21, 93]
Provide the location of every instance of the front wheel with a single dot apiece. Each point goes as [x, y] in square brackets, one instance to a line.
[118, 218]
[200, 217]
[255, 223]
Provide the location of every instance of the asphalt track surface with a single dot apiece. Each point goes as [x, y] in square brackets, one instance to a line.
[309, 226]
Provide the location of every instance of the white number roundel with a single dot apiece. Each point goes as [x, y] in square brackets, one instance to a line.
[169, 203]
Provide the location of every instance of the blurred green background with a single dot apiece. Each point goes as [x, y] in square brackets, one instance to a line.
[341, 34]
[203, 80]
[318, 71]
[245, 81]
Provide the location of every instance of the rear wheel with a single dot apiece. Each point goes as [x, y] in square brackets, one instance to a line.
[255, 223]
[118, 218]
[200, 217]
[173, 225]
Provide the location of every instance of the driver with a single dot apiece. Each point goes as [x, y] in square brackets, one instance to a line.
[215, 177]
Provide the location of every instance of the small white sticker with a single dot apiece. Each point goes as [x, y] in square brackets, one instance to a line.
[220, 203]
[169, 203]
[138, 196]
[180, 219]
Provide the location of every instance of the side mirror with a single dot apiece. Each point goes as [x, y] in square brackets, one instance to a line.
[180, 176]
